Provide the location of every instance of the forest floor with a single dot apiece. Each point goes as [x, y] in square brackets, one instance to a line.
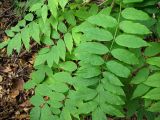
[14, 71]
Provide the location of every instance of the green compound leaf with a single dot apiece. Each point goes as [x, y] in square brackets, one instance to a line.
[118, 69]
[121, 54]
[134, 14]
[130, 41]
[103, 21]
[133, 28]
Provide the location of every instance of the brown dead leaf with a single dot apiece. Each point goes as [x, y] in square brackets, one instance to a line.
[7, 69]
[25, 104]
[1, 78]
[14, 93]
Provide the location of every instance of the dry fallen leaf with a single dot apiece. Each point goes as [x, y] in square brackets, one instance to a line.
[14, 93]
[1, 78]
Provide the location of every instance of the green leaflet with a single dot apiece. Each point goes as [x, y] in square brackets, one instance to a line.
[130, 41]
[88, 71]
[152, 50]
[103, 21]
[37, 100]
[141, 76]
[65, 115]
[131, 27]
[63, 3]
[93, 10]
[86, 108]
[112, 79]
[9, 33]
[62, 49]
[153, 80]
[53, 56]
[118, 69]
[88, 58]
[70, 18]
[98, 114]
[154, 61]
[26, 37]
[14, 44]
[155, 107]
[97, 34]
[140, 90]
[134, 14]
[44, 13]
[68, 66]
[46, 113]
[112, 88]
[153, 94]
[111, 110]
[34, 28]
[112, 98]
[85, 82]
[83, 94]
[63, 77]
[35, 7]
[29, 17]
[131, 1]
[121, 54]
[35, 113]
[93, 48]
[53, 5]
[55, 86]
[68, 41]
[62, 27]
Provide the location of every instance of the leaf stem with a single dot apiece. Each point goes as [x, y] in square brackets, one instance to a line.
[115, 34]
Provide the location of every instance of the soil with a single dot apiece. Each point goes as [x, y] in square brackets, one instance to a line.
[14, 71]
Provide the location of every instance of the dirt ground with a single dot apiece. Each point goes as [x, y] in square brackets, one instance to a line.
[14, 71]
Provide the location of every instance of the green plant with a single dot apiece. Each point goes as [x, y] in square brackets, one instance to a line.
[95, 60]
